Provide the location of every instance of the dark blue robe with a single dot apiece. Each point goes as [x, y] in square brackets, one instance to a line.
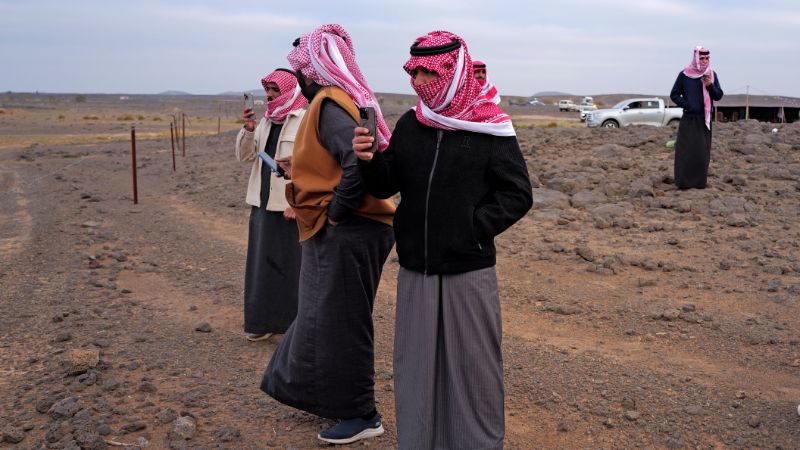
[693, 146]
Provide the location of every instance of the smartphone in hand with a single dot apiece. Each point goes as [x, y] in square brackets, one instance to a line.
[368, 121]
[249, 101]
[273, 166]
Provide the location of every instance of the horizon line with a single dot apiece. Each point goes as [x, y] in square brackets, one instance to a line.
[234, 93]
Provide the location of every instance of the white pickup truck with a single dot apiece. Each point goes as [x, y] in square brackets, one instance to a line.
[635, 111]
[587, 106]
[567, 105]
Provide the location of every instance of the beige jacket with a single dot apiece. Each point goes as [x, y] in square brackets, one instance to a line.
[248, 143]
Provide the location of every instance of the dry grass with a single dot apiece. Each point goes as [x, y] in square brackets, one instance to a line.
[80, 126]
[77, 121]
[18, 141]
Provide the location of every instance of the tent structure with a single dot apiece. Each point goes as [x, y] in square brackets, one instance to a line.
[763, 108]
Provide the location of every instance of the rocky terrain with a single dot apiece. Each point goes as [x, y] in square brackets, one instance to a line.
[635, 315]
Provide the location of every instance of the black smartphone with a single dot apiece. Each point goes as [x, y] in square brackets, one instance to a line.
[368, 121]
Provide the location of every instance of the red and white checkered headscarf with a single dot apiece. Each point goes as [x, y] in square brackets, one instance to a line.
[290, 98]
[695, 70]
[487, 87]
[326, 56]
[454, 100]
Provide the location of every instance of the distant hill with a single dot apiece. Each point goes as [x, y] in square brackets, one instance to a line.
[255, 92]
[174, 93]
[551, 94]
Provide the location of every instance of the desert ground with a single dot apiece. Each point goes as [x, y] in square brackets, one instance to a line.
[635, 315]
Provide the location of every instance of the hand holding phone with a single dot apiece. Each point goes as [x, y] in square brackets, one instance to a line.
[285, 164]
[273, 166]
[368, 121]
[248, 115]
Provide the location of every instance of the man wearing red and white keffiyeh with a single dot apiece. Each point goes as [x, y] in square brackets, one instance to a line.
[696, 89]
[325, 363]
[457, 165]
[272, 267]
[289, 99]
[454, 100]
[487, 87]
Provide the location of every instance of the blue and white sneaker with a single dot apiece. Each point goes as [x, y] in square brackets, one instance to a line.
[352, 430]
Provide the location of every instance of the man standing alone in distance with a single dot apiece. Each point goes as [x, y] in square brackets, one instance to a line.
[695, 90]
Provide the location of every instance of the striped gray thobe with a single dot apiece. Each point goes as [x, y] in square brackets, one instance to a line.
[447, 361]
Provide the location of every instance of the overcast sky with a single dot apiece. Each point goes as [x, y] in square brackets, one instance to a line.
[583, 47]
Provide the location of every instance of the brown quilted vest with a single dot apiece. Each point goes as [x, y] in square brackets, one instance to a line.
[315, 173]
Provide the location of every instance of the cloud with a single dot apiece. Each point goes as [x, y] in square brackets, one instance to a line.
[207, 15]
[766, 16]
[632, 7]
[576, 45]
[661, 7]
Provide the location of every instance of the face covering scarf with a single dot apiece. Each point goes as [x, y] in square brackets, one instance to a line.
[327, 57]
[289, 98]
[453, 101]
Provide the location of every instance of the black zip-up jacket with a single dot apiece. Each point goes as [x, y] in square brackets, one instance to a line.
[458, 190]
[688, 94]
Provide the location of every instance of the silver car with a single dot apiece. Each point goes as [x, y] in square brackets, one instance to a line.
[635, 111]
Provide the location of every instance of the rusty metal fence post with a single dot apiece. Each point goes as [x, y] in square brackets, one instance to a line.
[172, 142]
[183, 133]
[133, 165]
[177, 132]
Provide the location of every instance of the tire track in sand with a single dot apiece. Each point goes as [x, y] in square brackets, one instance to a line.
[15, 221]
